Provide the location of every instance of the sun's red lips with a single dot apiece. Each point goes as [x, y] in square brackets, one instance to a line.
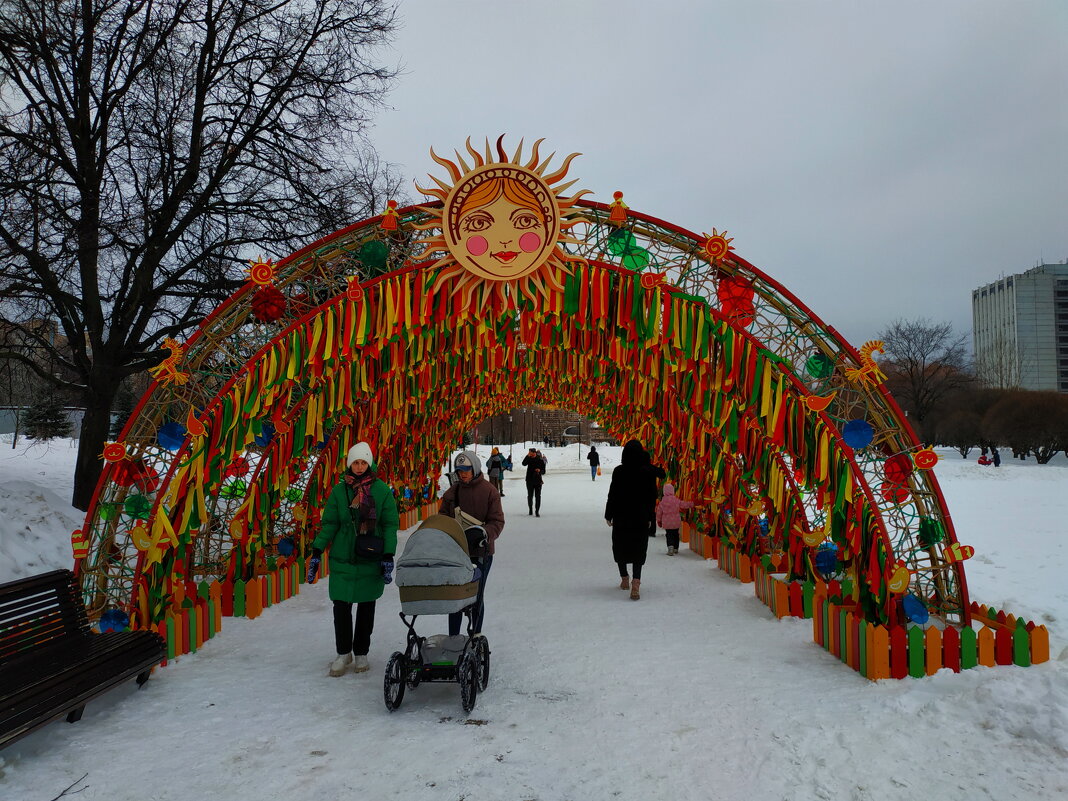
[505, 255]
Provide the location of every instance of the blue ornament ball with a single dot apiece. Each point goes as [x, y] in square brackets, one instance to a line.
[171, 436]
[915, 609]
[113, 620]
[263, 439]
[827, 559]
[286, 546]
[858, 434]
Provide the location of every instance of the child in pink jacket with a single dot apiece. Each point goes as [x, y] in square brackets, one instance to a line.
[668, 516]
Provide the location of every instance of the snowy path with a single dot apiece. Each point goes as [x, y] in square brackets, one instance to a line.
[694, 692]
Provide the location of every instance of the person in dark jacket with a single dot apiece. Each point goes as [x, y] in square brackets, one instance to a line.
[479, 500]
[495, 470]
[535, 466]
[361, 504]
[631, 512]
[595, 462]
[656, 475]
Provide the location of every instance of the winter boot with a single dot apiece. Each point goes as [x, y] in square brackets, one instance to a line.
[624, 582]
[360, 665]
[340, 665]
[634, 587]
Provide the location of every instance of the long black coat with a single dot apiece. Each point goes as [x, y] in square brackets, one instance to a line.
[631, 505]
[535, 470]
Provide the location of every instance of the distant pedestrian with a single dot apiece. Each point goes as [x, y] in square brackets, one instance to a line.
[535, 466]
[631, 512]
[595, 462]
[669, 518]
[996, 457]
[495, 467]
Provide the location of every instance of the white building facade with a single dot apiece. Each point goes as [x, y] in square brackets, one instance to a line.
[1020, 330]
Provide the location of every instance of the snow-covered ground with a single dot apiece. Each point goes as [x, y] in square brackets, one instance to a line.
[693, 692]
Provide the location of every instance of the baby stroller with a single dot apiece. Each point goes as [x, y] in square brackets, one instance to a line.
[435, 576]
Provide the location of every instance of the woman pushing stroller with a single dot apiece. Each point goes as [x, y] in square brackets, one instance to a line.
[480, 504]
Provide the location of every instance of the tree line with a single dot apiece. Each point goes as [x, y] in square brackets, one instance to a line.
[930, 376]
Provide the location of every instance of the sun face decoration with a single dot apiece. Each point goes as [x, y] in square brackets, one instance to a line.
[502, 221]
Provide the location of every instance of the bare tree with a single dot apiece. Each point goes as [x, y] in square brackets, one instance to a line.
[924, 363]
[149, 147]
[1000, 365]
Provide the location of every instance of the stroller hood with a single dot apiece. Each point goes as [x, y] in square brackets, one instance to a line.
[434, 574]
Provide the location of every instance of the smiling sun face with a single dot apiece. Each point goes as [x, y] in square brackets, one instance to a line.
[501, 222]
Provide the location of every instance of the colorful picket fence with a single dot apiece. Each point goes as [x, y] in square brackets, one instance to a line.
[735, 563]
[881, 652]
[199, 617]
[878, 652]
[700, 543]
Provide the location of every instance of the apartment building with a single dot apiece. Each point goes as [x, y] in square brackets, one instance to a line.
[1020, 330]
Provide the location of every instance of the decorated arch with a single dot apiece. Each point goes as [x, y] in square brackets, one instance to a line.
[408, 328]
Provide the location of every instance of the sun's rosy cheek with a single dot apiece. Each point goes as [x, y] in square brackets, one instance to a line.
[477, 245]
[529, 242]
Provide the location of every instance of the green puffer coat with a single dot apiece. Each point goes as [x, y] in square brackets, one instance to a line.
[351, 580]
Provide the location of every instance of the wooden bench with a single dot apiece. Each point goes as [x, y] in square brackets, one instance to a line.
[51, 663]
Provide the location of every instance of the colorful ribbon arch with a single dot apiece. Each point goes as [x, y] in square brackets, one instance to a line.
[781, 431]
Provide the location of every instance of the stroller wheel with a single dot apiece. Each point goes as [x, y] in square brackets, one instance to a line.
[467, 675]
[414, 657]
[393, 686]
[482, 660]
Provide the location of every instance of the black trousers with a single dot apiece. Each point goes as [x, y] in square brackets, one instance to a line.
[672, 535]
[347, 638]
[637, 570]
[534, 497]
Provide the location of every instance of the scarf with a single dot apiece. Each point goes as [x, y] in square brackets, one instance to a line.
[362, 501]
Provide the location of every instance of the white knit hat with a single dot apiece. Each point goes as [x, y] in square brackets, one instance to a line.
[361, 450]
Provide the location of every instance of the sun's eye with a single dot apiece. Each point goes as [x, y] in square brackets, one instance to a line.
[479, 221]
[525, 221]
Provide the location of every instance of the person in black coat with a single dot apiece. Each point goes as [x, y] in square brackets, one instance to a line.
[535, 466]
[595, 462]
[631, 512]
[656, 474]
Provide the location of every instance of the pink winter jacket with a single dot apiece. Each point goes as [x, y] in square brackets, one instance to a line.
[667, 511]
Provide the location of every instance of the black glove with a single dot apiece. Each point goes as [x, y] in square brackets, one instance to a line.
[313, 569]
[387, 571]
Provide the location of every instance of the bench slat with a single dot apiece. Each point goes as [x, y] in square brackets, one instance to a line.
[51, 664]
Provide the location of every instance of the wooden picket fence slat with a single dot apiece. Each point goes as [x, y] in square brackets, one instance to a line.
[879, 652]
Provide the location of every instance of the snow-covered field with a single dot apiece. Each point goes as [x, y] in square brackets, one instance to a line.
[693, 692]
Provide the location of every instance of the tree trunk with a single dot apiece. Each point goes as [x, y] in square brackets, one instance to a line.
[1045, 453]
[96, 426]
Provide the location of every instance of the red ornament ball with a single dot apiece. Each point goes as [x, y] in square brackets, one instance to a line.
[268, 304]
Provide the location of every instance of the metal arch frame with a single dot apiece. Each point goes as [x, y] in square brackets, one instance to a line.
[779, 317]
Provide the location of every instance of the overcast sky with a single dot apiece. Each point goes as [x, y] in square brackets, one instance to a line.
[881, 160]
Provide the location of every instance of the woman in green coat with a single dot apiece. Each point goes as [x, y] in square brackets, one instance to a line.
[361, 504]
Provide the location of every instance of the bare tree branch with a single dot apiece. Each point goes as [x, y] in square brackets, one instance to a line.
[148, 147]
[924, 363]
